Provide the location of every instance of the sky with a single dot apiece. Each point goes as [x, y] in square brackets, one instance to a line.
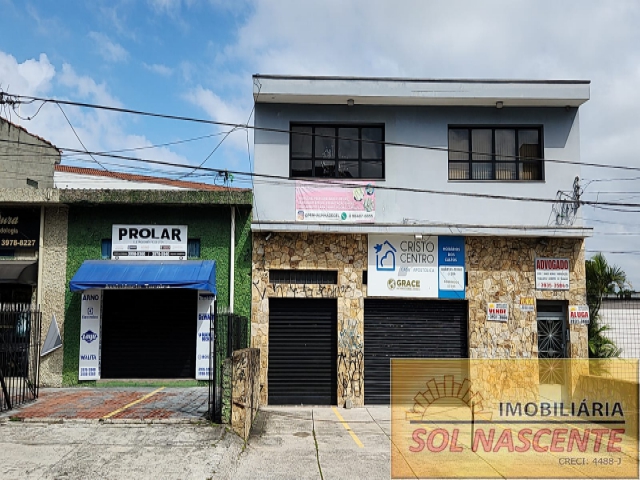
[195, 58]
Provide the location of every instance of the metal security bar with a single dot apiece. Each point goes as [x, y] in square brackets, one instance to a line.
[229, 332]
[20, 326]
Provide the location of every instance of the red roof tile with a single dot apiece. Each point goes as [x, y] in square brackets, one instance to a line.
[144, 178]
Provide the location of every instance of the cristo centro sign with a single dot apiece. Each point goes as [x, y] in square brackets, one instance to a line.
[488, 419]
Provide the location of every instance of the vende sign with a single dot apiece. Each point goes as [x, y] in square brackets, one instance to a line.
[497, 312]
[579, 314]
[552, 273]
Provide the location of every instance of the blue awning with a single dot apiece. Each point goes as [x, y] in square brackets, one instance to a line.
[197, 275]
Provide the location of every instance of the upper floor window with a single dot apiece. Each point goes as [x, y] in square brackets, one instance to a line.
[343, 151]
[505, 153]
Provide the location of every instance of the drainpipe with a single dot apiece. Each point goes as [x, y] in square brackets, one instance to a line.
[232, 266]
[40, 259]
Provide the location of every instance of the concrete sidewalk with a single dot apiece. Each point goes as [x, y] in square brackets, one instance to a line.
[300, 442]
[111, 451]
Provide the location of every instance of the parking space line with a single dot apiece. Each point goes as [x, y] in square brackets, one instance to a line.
[347, 427]
[129, 405]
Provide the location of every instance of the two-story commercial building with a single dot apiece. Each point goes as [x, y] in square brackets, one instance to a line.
[405, 218]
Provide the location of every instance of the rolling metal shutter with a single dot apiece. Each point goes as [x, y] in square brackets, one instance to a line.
[303, 351]
[149, 333]
[409, 329]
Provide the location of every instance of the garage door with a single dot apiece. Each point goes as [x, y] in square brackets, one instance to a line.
[149, 333]
[408, 329]
[302, 351]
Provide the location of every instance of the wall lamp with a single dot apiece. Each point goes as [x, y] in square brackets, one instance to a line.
[350, 102]
[499, 104]
[418, 236]
[268, 236]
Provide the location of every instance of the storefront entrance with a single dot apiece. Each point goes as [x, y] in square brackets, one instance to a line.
[149, 333]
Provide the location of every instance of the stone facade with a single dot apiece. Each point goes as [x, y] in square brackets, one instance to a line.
[53, 287]
[500, 269]
[345, 253]
[503, 270]
[245, 390]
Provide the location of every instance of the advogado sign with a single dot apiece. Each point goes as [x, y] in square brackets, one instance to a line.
[149, 242]
[406, 266]
[552, 273]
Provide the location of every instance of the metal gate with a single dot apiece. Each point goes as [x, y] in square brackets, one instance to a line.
[552, 341]
[409, 329]
[228, 333]
[303, 351]
[20, 326]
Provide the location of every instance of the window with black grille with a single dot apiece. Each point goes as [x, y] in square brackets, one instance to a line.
[343, 151]
[325, 277]
[495, 153]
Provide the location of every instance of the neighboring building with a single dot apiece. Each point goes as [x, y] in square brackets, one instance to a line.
[143, 268]
[622, 315]
[374, 235]
[33, 229]
[147, 318]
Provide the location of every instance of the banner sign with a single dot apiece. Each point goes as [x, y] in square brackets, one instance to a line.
[19, 227]
[204, 344]
[90, 335]
[493, 418]
[420, 267]
[318, 202]
[552, 274]
[149, 242]
[579, 314]
[497, 312]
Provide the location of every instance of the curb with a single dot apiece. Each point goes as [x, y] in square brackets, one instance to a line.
[109, 421]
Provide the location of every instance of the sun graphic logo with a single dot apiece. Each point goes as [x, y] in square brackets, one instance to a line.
[391, 284]
[443, 415]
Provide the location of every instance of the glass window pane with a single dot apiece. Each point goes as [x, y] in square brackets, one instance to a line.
[325, 147]
[301, 168]
[301, 144]
[458, 171]
[325, 168]
[482, 171]
[372, 151]
[481, 147]
[505, 171]
[506, 145]
[529, 144]
[371, 170]
[348, 148]
[458, 144]
[531, 170]
[348, 169]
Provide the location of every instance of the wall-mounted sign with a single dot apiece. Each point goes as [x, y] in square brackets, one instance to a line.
[406, 266]
[498, 312]
[19, 227]
[204, 344]
[318, 202]
[552, 273]
[527, 304]
[579, 314]
[90, 312]
[149, 242]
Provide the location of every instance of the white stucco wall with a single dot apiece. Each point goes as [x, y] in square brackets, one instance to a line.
[424, 169]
